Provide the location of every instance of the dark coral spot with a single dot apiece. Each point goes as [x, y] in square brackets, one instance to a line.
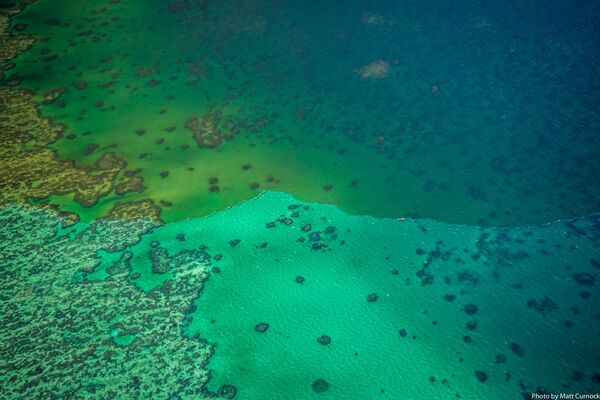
[470, 309]
[318, 246]
[227, 392]
[324, 340]
[314, 237]
[481, 376]
[89, 149]
[450, 297]
[471, 325]
[543, 305]
[373, 297]
[585, 278]
[320, 386]
[330, 229]
[516, 349]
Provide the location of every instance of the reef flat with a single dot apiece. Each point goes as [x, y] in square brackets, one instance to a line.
[65, 336]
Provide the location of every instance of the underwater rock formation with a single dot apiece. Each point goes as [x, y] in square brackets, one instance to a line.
[31, 170]
[205, 130]
[374, 70]
[64, 336]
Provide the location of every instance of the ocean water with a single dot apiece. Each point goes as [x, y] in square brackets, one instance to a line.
[295, 199]
[474, 113]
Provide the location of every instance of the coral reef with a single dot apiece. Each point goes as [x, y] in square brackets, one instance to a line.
[132, 184]
[31, 170]
[213, 128]
[64, 336]
[374, 70]
[205, 130]
[11, 45]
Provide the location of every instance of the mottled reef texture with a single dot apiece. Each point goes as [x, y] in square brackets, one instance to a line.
[64, 336]
[11, 45]
[212, 129]
[205, 130]
[31, 170]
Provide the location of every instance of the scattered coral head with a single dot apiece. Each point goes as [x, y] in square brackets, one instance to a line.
[205, 130]
[369, 18]
[375, 70]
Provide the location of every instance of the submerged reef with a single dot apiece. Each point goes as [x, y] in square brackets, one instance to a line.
[213, 128]
[64, 336]
[205, 130]
[11, 45]
[375, 70]
[31, 171]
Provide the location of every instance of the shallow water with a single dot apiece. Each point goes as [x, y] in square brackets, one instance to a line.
[425, 275]
[292, 200]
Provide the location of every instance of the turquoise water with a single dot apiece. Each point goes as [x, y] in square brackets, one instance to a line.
[411, 308]
[533, 326]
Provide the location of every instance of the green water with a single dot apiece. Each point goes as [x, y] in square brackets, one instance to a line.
[497, 130]
[398, 200]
